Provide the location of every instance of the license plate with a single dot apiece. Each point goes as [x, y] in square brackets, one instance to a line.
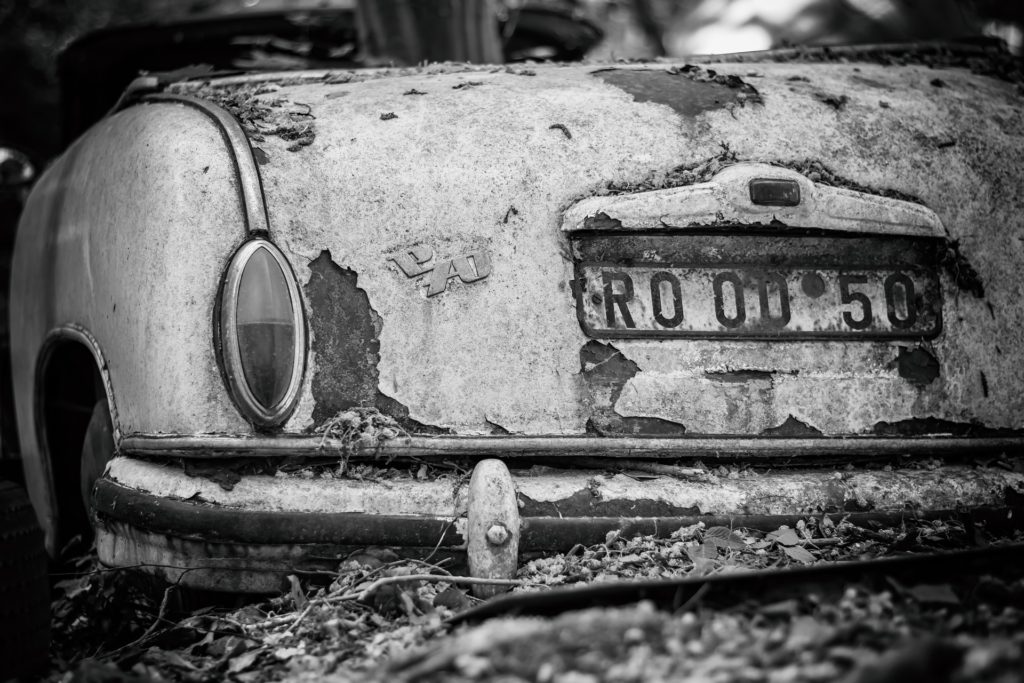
[797, 301]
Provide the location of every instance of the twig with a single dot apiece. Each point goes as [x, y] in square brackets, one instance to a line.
[440, 539]
[388, 580]
[302, 615]
[693, 599]
[152, 627]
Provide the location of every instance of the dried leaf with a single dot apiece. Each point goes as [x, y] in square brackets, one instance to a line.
[799, 554]
[243, 661]
[453, 598]
[784, 608]
[938, 594]
[156, 655]
[283, 653]
[704, 551]
[785, 536]
[702, 566]
[804, 631]
[298, 596]
[723, 537]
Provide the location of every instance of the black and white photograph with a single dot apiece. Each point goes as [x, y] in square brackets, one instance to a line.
[518, 341]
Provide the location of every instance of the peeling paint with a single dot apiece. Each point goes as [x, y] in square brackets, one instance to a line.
[345, 341]
[837, 102]
[589, 503]
[960, 269]
[261, 116]
[678, 176]
[817, 172]
[689, 90]
[741, 376]
[601, 221]
[792, 427]
[459, 360]
[605, 424]
[605, 371]
[496, 428]
[261, 157]
[917, 366]
[930, 426]
[400, 413]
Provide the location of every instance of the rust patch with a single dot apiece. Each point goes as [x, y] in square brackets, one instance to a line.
[588, 503]
[792, 427]
[689, 90]
[261, 157]
[960, 270]
[917, 366]
[739, 376]
[1012, 497]
[603, 366]
[817, 172]
[930, 426]
[345, 340]
[997, 62]
[496, 429]
[400, 413]
[217, 472]
[615, 425]
[680, 176]
[260, 116]
[837, 102]
[606, 371]
[601, 222]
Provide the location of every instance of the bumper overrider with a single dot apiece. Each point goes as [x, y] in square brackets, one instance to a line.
[248, 533]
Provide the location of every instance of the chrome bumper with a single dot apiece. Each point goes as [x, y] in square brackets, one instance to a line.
[249, 538]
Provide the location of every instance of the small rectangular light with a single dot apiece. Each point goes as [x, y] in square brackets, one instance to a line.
[774, 192]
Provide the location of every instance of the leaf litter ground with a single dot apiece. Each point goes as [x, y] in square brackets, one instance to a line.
[381, 618]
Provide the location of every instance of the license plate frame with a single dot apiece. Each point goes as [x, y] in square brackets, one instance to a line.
[711, 274]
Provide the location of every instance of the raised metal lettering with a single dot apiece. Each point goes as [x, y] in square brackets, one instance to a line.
[413, 260]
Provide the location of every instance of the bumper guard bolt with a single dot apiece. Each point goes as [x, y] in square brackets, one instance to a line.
[497, 534]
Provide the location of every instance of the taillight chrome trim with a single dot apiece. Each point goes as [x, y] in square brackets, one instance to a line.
[227, 338]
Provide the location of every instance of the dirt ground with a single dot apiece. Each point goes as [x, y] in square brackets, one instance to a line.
[380, 618]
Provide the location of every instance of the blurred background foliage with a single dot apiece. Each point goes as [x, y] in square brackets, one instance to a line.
[32, 32]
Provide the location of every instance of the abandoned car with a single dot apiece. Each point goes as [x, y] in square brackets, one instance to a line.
[260, 320]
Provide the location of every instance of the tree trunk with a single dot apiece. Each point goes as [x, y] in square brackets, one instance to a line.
[412, 31]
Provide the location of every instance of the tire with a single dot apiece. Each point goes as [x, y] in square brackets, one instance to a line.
[24, 587]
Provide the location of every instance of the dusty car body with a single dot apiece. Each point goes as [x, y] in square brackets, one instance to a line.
[539, 271]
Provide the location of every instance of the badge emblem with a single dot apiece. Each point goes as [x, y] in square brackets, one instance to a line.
[415, 261]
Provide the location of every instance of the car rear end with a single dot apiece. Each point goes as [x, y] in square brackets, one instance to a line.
[513, 309]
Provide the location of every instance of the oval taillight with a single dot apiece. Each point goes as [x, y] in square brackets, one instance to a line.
[262, 333]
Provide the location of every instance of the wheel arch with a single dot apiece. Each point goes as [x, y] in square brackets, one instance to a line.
[71, 374]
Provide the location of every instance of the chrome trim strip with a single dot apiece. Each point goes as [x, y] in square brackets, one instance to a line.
[228, 338]
[725, 199]
[568, 446]
[250, 184]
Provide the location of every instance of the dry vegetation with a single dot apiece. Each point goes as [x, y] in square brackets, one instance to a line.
[383, 618]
